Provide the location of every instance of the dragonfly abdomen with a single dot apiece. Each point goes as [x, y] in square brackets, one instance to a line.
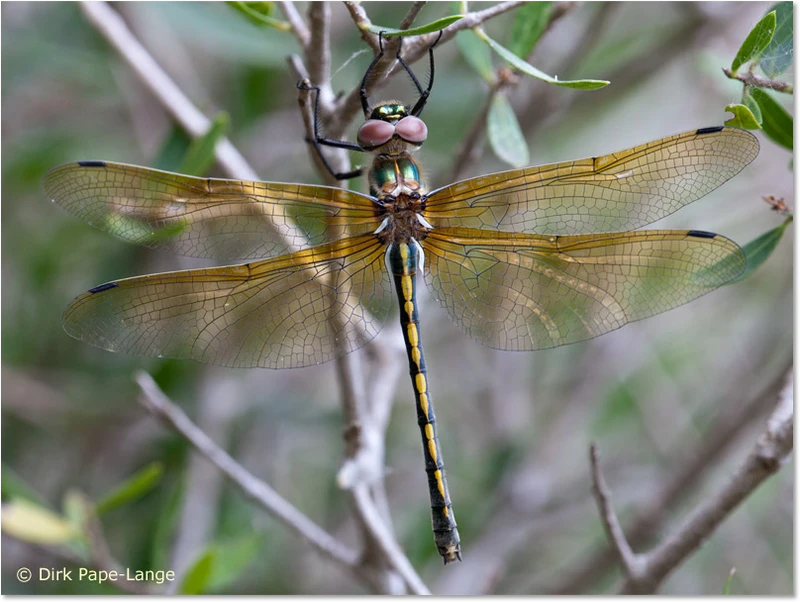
[403, 260]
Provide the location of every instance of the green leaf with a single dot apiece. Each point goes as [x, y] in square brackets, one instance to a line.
[516, 62]
[756, 41]
[529, 25]
[197, 577]
[742, 118]
[777, 57]
[259, 13]
[776, 122]
[439, 24]
[750, 103]
[13, 487]
[173, 150]
[759, 249]
[505, 135]
[476, 53]
[33, 523]
[131, 489]
[200, 156]
[232, 559]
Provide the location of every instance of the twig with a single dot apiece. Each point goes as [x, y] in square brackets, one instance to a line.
[645, 572]
[318, 54]
[751, 79]
[629, 561]
[158, 404]
[412, 13]
[111, 25]
[413, 49]
[297, 23]
[693, 464]
[362, 21]
[385, 540]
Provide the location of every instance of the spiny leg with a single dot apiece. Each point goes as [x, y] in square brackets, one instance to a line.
[317, 141]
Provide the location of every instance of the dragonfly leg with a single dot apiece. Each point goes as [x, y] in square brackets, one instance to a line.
[318, 141]
[363, 90]
[423, 94]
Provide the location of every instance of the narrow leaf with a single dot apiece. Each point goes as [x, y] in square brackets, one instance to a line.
[742, 118]
[759, 249]
[259, 13]
[476, 54]
[200, 156]
[776, 122]
[750, 103]
[437, 25]
[34, 523]
[756, 41]
[232, 559]
[777, 57]
[131, 489]
[529, 25]
[505, 135]
[198, 576]
[516, 62]
[12, 486]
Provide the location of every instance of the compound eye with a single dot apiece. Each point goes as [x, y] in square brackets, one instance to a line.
[374, 133]
[412, 129]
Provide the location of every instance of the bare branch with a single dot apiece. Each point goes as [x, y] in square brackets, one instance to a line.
[159, 405]
[751, 79]
[362, 21]
[297, 23]
[479, 18]
[645, 572]
[630, 563]
[111, 25]
[373, 521]
[411, 15]
[691, 465]
[318, 53]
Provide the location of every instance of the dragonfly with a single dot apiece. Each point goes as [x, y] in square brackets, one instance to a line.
[524, 259]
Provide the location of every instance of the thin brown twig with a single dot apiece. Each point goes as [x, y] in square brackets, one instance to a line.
[318, 54]
[362, 21]
[692, 465]
[411, 15]
[154, 400]
[602, 495]
[646, 572]
[391, 550]
[751, 79]
[297, 23]
[767, 457]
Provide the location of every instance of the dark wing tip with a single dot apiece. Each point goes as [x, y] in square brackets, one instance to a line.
[92, 163]
[701, 234]
[711, 130]
[103, 287]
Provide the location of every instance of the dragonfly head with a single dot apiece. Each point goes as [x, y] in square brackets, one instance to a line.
[388, 120]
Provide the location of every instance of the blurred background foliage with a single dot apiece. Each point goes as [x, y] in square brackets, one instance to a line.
[515, 428]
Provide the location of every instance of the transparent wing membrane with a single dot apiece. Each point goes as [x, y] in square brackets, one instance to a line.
[205, 217]
[296, 310]
[621, 191]
[525, 292]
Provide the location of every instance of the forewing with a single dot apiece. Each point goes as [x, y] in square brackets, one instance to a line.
[617, 192]
[524, 292]
[296, 310]
[206, 217]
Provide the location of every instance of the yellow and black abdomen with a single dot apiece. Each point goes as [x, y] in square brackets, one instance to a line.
[403, 260]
